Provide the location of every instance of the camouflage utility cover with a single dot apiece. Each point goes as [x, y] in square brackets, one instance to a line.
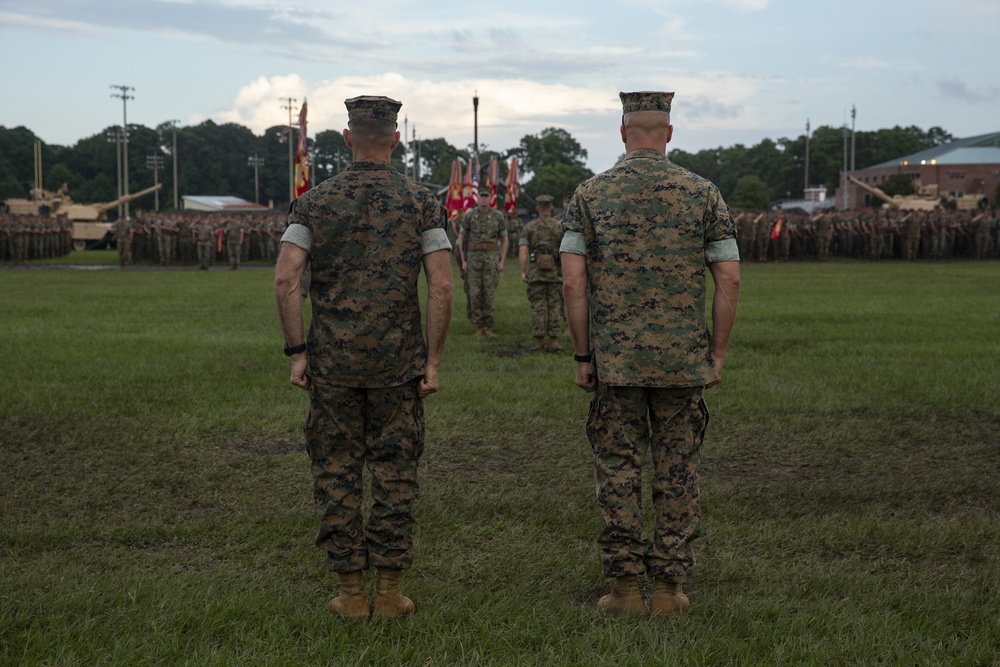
[646, 223]
[542, 236]
[366, 256]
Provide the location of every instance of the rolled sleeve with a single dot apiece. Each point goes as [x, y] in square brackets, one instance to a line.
[725, 250]
[574, 243]
[433, 240]
[298, 235]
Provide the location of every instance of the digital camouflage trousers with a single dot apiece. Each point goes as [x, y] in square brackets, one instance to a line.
[623, 425]
[347, 430]
[545, 305]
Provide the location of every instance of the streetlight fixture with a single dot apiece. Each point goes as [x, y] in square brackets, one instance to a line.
[155, 162]
[123, 95]
[256, 162]
[115, 137]
[173, 158]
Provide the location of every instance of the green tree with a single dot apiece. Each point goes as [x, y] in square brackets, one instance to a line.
[751, 193]
[557, 180]
[898, 184]
[551, 146]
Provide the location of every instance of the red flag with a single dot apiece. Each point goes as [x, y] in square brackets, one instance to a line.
[455, 201]
[492, 176]
[302, 156]
[777, 228]
[469, 188]
[510, 199]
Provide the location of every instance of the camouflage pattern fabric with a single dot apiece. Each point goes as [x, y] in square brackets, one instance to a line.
[624, 423]
[546, 306]
[542, 237]
[646, 223]
[482, 277]
[234, 246]
[347, 429]
[366, 257]
[122, 231]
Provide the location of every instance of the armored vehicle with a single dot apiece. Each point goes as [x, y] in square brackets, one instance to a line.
[90, 221]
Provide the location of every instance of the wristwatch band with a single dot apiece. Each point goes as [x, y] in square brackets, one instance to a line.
[289, 351]
[583, 357]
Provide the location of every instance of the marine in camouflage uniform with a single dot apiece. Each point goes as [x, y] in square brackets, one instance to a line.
[482, 259]
[235, 234]
[123, 238]
[366, 232]
[638, 240]
[538, 255]
[203, 235]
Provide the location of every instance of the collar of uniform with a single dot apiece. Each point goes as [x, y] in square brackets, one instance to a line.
[645, 154]
[369, 166]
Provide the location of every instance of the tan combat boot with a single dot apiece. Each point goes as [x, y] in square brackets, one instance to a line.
[539, 345]
[352, 601]
[488, 332]
[667, 599]
[553, 345]
[389, 599]
[479, 332]
[624, 597]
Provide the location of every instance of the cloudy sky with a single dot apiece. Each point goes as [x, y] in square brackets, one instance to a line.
[743, 70]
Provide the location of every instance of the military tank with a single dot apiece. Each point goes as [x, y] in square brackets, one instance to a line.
[90, 221]
[926, 198]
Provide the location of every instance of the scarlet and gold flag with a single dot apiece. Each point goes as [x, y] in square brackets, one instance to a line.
[776, 232]
[470, 188]
[492, 174]
[510, 198]
[455, 200]
[302, 155]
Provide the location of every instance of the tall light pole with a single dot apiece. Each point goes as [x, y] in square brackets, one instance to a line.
[854, 113]
[155, 162]
[807, 159]
[475, 126]
[116, 137]
[406, 152]
[123, 95]
[290, 105]
[255, 162]
[173, 158]
[844, 132]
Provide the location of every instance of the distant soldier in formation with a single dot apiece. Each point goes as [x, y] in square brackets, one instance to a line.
[538, 254]
[124, 236]
[486, 232]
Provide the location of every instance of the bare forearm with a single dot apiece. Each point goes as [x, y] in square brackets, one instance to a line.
[439, 297]
[727, 295]
[577, 306]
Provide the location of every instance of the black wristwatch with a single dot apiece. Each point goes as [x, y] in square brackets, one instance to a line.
[289, 351]
[583, 357]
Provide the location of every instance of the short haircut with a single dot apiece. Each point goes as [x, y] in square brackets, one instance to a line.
[646, 121]
[372, 131]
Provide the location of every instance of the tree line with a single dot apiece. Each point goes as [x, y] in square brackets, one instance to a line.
[215, 159]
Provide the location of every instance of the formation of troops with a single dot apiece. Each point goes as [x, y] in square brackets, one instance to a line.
[868, 234]
[152, 238]
[26, 237]
[231, 238]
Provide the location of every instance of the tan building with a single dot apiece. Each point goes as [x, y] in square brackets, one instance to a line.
[963, 167]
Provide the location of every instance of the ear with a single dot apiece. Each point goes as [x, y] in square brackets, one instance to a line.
[670, 132]
[622, 130]
[347, 138]
[395, 141]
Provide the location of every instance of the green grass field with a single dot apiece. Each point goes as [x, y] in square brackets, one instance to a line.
[156, 503]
